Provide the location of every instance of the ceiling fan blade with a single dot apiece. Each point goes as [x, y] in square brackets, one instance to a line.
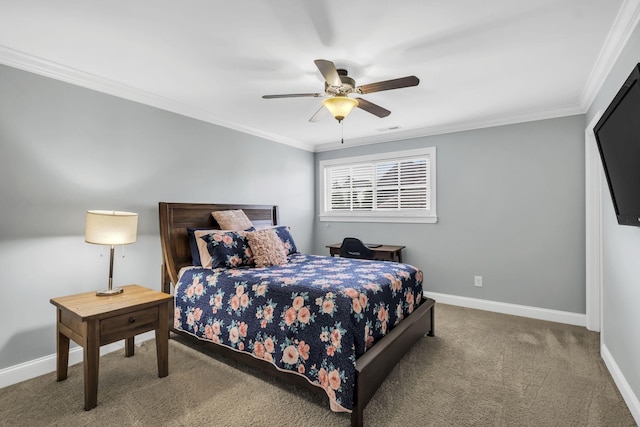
[329, 72]
[372, 108]
[293, 95]
[319, 115]
[389, 84]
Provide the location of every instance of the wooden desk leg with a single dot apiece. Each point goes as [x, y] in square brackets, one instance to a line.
[400, 257]
[162, 341]
[432, 332]
[91, 361]
[62, 350]
[129, 347]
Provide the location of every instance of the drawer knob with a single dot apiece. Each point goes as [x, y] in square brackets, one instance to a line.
[132, 319]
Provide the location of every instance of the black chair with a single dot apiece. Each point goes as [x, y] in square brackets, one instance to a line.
[354, 248]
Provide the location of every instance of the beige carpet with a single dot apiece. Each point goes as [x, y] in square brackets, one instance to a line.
[481, 369]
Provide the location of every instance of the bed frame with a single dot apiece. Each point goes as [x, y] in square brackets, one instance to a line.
[371, 368]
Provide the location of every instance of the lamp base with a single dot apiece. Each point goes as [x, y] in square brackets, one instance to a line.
[109, 292]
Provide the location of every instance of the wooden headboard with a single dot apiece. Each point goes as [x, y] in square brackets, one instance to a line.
[176, 217]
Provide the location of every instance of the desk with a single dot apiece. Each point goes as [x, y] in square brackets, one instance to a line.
[92, 321]
[382, 252]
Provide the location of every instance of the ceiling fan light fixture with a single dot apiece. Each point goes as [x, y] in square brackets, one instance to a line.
[340, 106]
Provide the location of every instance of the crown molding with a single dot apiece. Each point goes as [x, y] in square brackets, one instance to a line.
[624, 25]
[622, 28]
[502, 120]
[32, 64]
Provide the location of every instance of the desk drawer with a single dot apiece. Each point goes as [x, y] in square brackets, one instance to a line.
[129, 324]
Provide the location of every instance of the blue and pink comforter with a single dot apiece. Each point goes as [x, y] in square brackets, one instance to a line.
[313, 316]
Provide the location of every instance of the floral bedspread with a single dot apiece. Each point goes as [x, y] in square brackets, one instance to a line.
[313, 316]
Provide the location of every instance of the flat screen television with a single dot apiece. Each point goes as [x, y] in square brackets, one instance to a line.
[618, 137]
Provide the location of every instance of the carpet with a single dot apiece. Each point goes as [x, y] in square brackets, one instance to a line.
[481, 369]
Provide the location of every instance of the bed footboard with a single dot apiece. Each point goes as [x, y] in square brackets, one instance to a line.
[375, 365]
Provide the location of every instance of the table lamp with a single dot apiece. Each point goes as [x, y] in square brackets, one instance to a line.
[111, 228]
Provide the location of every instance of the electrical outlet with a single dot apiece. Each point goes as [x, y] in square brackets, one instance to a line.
[477, 281]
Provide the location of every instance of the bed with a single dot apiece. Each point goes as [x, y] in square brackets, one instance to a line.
[285, 338]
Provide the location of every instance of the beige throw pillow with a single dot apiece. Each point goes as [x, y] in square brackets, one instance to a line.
[267, 248]
[205, 257]
[232, 220]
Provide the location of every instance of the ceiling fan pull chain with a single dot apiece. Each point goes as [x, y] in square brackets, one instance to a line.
[342, 129]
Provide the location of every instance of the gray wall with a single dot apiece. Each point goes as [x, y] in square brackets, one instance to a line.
[510, 208]
[621, 269]
[65, 149]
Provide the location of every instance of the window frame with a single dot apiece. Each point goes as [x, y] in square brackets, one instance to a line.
[398, 216]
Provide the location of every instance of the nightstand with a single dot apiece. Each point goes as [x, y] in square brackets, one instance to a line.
[92, 321]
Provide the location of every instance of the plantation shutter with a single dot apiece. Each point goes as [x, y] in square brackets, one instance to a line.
[386, 185]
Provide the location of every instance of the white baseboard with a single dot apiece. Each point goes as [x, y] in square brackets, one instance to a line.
[632, 401]
[47, 364]
[513, 309]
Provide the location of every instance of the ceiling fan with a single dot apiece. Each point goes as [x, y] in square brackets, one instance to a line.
[338, 86]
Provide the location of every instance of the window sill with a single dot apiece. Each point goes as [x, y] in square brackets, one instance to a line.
[398, 219]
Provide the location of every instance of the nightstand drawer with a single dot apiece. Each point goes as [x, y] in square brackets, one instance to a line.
[129, 324]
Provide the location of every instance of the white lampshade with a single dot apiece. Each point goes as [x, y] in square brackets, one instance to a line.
[340, 106]
[111, 227]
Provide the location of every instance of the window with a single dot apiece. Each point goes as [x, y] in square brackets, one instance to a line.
[390, 187]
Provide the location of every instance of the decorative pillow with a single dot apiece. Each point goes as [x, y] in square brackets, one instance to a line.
[229, 249]
[194, 243]
[267, 248]
[203, 255]
[232, 220]
[284, 233]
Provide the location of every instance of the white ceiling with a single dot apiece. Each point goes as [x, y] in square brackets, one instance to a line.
[480, 63]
